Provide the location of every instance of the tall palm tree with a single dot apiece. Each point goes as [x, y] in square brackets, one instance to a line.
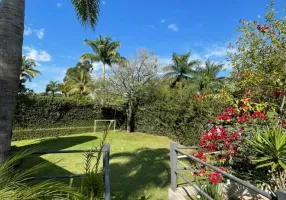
[11, 34]
[181, 67]
[105, 51]
[80, 83]
[28, 71]
[64, 89]
[53, 87]
[206, 77]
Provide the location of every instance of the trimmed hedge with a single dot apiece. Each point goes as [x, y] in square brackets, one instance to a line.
[44, 116]
[173, 112]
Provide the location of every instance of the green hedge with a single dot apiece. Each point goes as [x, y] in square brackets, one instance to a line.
[43, 116]
[173, 112]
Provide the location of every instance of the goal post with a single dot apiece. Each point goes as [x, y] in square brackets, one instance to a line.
[111, 121]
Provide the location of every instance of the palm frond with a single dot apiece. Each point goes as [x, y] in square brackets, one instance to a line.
[87, 11]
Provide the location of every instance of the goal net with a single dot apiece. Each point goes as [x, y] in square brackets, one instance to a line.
[103, 124]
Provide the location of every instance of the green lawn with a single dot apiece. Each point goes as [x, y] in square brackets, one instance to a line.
[139, 163]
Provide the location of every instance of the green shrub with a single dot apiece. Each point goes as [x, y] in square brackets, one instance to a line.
[44, 116]
[174, 112]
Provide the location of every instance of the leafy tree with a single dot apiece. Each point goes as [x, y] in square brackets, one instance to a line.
[79, 83]
[128, 81]
[53, 87]
[206, 77]
[73, 71]
[11, 32]
[105, 51]
[259, 62]
[181, 67]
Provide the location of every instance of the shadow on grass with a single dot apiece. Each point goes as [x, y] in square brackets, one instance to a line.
[144, 169]
[58, 143]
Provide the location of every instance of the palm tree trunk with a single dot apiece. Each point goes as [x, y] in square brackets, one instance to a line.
[103, 72]
[12, 14]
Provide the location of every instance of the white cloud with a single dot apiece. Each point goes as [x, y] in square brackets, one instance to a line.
[37, 55]
[28, 31]
[259, 16]
[59, 5]
[173, 27]
[40, 33]
[217, 51]
[163, 21]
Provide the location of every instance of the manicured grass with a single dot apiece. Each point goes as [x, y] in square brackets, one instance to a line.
[139, 163]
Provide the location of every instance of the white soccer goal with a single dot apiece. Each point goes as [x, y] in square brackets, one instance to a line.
[111, 122]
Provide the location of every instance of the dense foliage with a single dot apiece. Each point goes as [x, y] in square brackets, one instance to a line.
[45, 116]
[179, 113]
[248, 138]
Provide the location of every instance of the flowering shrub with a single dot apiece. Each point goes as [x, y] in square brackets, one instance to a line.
[218, 139]
[215, 177]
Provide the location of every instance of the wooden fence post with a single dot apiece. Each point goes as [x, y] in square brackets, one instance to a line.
[173, 158]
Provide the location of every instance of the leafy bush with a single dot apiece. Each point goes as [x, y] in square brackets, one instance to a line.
[43, 116]
[178, 113]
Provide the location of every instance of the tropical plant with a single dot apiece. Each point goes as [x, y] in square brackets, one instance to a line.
[53, 87]
[12, 31]
[79, 83]
[73, 71]
[91, 185]
[206, 77]
[269, 148]
[15, 183]
[28, 71]
[181, 67]
[105, 51]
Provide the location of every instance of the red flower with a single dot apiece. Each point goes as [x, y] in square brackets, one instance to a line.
[259, 114]
[242, 119]
[205, 136]
[230, 111]
[200, 155]
[215, 177]
[202, 143]
[224, 118]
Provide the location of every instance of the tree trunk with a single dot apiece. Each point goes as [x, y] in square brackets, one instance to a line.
[12, 14]
[131, 116]
[103, 72]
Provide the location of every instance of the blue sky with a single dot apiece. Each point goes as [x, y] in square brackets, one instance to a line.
[54, 37]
